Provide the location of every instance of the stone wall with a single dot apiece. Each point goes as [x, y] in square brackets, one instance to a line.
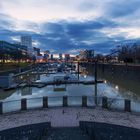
[125, 76]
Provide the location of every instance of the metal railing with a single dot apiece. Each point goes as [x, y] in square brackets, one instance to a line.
[69, 101]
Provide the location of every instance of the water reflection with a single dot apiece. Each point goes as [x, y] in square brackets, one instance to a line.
[26, 91]
[73, 91]
[105, 89]
[122, 79]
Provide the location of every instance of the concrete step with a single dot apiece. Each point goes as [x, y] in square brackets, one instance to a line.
[73, 133]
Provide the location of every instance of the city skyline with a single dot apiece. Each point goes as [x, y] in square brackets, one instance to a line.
[68, 26]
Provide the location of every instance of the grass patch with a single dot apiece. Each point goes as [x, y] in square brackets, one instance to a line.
[11, 66]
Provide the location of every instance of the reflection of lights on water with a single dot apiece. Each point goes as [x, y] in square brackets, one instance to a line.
[105, 81]
[21, 77]
[85, 76]
[116, 87]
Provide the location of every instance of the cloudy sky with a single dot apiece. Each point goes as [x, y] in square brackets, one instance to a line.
[71, 25]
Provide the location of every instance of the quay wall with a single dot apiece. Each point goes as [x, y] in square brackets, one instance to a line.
[123, 71]
[120, 71]
[126, 76]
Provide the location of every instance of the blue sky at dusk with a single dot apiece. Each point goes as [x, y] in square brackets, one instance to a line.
[68, 26]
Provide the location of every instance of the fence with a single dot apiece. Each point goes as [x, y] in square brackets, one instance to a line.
[69, 101]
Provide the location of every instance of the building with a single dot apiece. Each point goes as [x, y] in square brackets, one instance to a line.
[37, 54]
[86, 54]
[90, 54]
[60, 56]
[67, 57]
[82, 54]
[10, 51]
[52, 57]
[27, 41]
[36, 51]
[46, 54]
[6, 46]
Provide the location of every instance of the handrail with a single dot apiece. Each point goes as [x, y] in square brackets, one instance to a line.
[30, 98]
[64, 101]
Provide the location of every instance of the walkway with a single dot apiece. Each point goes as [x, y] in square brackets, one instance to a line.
[66, 117]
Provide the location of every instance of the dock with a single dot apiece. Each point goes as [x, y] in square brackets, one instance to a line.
[66, 82]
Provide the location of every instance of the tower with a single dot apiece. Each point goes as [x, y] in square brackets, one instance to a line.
[27, 41]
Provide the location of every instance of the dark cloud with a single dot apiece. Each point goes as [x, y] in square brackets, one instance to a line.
[66, 36]
[70, 36]
[6, 22]
[123, 8]
[91, 24]
[88, 29]
[53, 27]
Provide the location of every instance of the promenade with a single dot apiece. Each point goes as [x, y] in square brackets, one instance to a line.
[69, 117]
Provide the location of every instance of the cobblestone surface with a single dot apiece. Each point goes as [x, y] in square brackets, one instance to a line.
[68, 117]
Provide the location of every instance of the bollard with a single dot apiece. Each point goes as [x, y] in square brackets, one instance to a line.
[127, 105]
[1, 108]
[23, 104]
[45, 102]
[104, 102]
[65, 101]
[84, 101]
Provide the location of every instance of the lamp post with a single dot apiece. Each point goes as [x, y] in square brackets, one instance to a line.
[78, 70]
[18, 53]
[95, 73]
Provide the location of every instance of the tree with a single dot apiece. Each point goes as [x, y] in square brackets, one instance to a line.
[129, 53]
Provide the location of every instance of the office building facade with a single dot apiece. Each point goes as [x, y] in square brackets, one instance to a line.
[27, 41]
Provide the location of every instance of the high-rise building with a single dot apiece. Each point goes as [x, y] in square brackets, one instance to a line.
[60, 56]
[37, 51]
[90, 54]
[27, 41]
[51, 56]
[82, 54]
[67, 57]
[46, 54]
[86, 54]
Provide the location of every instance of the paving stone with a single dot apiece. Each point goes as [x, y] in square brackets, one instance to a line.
[68, 117]
[72, 133]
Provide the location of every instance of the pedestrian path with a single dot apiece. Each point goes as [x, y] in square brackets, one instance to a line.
[69, 117]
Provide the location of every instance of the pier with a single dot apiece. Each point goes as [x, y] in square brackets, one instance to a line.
[66, 82]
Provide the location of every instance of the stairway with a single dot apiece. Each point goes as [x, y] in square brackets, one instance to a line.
[73, 133]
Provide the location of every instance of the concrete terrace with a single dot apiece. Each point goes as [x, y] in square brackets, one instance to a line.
[68, 117]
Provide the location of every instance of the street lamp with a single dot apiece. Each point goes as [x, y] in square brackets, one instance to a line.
[19, 69]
